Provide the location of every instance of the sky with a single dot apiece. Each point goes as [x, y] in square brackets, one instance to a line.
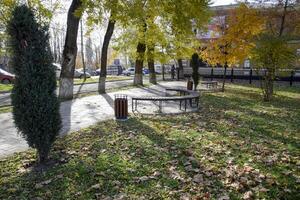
[222, 2]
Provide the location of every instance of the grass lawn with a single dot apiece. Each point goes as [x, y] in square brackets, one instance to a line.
[236, 147]
[6, 87]
[96, 80]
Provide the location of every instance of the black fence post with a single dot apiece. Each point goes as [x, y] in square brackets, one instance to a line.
[250, 76]
[177, 73]
[292, 78]
[231, 79]
[212, 74]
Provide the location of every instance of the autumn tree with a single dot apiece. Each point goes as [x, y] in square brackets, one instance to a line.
[181, 18]
[235, 37]
[270, 54]
[272, 51]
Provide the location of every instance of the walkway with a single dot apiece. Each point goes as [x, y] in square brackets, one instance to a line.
[83, 112]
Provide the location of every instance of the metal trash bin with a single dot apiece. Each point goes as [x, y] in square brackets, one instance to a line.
[190, 85]
[121, 107]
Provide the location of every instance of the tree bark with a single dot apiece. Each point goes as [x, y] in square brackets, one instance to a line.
[224, 77]
[82, 52]
[107, 37]
[283, 17]
[152, 75]
[138, 76]
[180, 69]
[268, 88]
[69, 53]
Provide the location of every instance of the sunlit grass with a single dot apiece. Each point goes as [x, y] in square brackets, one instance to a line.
[236, 146]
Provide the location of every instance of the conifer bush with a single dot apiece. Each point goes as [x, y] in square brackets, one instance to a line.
[195, 66]
[35, 103]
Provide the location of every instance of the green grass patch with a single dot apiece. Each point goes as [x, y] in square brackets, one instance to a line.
[236, 147]
[6, 87]
[96, 80]
[5, 109]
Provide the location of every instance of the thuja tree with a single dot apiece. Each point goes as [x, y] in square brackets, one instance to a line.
[195, 62]
[35, 104]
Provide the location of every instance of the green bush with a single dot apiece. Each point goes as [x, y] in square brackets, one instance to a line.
[35, 104]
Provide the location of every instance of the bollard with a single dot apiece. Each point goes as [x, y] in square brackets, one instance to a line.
[190, 85]
[121, 107]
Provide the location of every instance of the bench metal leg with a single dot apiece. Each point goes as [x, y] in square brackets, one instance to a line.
[180, 105]
[185, 105]
[132, 105]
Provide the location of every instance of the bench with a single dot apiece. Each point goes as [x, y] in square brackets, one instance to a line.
[186, 96]
[210, 84]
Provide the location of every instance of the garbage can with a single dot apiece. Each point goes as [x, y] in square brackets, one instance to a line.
[190, 85]
[121, 107]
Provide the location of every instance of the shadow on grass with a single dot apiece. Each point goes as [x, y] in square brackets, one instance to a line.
[115, 158]
[99, 162]
[254, 115]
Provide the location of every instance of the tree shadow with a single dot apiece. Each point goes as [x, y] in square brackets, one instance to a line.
[109, 100]
[80, 88]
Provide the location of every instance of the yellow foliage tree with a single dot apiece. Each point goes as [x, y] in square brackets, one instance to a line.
[236, 38]
[237, 34]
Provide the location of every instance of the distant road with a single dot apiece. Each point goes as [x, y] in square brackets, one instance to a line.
[78, 89]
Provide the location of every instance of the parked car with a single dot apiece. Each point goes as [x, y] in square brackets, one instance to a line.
[145, 71]
[80, 74]
[129, 71]
[97, 72]
[114, 70]
[88, 70]
[6, 77]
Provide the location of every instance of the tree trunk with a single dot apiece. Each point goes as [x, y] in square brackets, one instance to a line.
[224, 77]
[107, 37]
[268, 89]
[82, 52]
[152, 75]
[283, 18]
[69, 53]
[180, 69]
[138, 76]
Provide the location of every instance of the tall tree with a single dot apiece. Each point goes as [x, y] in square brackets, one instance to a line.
[236, 33]
[89, 53]
[70, 51]
[107, 37]
[151, 66]
[272, 51]
[35, 104]
[82, 50]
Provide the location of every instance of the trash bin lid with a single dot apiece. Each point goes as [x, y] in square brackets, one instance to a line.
[120, 96]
